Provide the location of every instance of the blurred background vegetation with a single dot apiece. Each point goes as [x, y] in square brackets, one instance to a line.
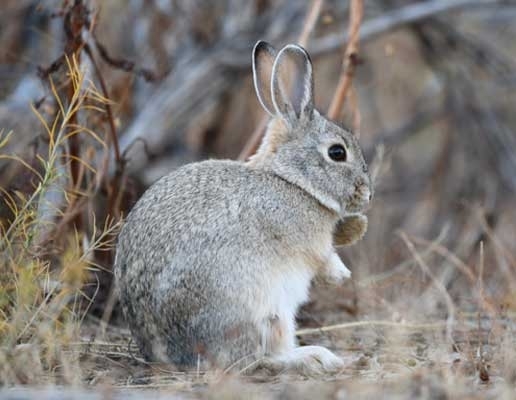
[98, 99]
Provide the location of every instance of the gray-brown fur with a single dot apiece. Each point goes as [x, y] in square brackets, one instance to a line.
[350, 230]
[208, 248]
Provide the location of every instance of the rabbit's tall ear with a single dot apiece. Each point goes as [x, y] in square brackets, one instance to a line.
[292, 84]
[263, 60]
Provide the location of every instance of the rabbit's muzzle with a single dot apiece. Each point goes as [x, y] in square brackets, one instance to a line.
[361, 197]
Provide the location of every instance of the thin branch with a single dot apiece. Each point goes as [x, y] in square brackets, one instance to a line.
[106, 104]
[395, 19]
[451, 257]
[311, 20]
[401, 267]
[125, 65]
[437, 283]
[356, 324]
[114, 187]
[356, 13]
[254, 140]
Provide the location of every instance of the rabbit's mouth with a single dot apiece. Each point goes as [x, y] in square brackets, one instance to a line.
[360, 199]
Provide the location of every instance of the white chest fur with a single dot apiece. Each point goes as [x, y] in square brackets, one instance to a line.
[282, 294]
[290, 290]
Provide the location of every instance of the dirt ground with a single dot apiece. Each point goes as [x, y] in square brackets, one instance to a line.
[385, 359]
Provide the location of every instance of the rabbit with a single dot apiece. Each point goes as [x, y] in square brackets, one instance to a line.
[215, 258]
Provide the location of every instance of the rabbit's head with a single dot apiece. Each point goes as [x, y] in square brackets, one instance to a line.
[301, 145]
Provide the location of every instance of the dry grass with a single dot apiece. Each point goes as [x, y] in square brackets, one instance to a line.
[400, 360]
[45, 265]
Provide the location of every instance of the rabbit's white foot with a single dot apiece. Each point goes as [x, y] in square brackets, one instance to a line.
[305, 360]
[336, 271]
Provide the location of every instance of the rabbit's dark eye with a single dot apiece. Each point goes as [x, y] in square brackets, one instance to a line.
[337, 152]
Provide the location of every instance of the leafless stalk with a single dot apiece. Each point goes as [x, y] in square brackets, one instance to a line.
[311, 20]
[107, 104]
[402, 266]
[355, 324]
[439, 286]
[443, 251]
[254, 140]
[395, 19]
[480, 281]
[356, 13]
[497, 243]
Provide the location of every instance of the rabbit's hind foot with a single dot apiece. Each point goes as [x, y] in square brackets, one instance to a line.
[312, 361]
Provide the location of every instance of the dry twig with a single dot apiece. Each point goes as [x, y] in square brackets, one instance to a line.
[311, 20]
[396, 19]
[356, 13]
[438, 284]
[356, 324]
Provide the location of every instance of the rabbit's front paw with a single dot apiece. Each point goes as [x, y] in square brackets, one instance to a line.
[350, 230]
[336, 271]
